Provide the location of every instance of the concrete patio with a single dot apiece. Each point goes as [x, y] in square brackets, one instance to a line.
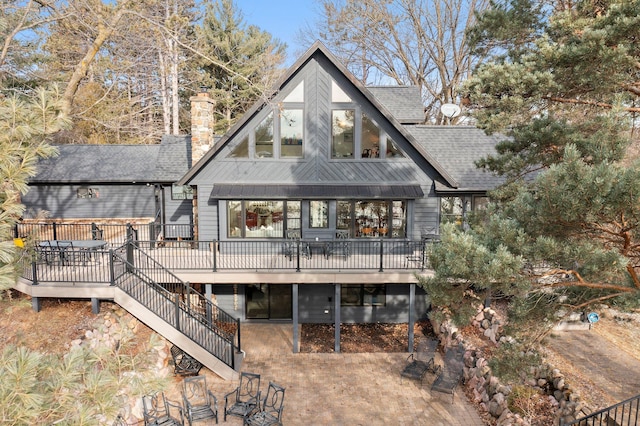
[340, 389]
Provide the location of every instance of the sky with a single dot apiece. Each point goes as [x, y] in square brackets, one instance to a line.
[282, 19]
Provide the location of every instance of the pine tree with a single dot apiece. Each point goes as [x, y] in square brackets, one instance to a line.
[251, 57]
[25, 128]
[562, 88]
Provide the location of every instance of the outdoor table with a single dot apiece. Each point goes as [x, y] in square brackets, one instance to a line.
[316, 245]
[82, 244]
[86, 246]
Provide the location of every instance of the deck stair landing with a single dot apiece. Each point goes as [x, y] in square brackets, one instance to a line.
[185, 318]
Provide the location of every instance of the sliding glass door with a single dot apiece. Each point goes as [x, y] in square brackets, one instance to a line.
[268, 301]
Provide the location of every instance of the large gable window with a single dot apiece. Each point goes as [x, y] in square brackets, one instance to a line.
[370, 140]
[242, 149]
[343, 126]
[291, 133]
[264, 137]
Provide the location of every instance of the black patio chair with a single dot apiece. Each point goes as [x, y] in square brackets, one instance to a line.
[270, 411]
[183, 363]
[452, 372]
[421, 361]
[199, 402]
[245, 398]
[339, 246]
[159, 411]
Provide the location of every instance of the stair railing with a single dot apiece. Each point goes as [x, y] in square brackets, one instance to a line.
[175, 302]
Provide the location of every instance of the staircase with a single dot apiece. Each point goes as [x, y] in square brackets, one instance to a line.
[625, 413]
[182, 315]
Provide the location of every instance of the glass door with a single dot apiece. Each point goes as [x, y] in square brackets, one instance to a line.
[280, 301]
[268, 301]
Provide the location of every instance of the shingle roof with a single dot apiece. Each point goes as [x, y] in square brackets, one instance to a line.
[166, 162]
[404, 102]
[457, 148]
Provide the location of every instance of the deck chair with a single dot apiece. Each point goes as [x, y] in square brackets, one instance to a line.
[452, 372]
[339, 246]
[244, 400]
[270, 412]
[421, 361]
[183, 363]
[159, 411]
[199, 401]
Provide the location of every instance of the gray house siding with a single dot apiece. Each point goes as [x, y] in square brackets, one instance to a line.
[228, 301]
[316, 303]
[112, 201]
[176, 212]
[426, 214]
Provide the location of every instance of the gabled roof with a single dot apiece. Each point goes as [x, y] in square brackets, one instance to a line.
[163, 163]
[319, 49]
[457, 148]
[404, 102]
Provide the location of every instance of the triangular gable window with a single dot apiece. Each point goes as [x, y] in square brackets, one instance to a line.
[297, 94]
[242, 149]
[337, 94]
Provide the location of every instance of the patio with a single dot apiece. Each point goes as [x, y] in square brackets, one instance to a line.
[339, 389]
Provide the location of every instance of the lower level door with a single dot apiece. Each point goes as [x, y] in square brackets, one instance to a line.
[268, 301]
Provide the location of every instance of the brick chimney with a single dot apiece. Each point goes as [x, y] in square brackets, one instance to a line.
[202, 122]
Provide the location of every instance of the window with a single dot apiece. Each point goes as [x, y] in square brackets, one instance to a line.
[88, 193]
[242, 149]
[370, 140]
[291, 133]
[372, 218]
[181, 192]
[399, 215]
[318, 214]
[297, 94]
[392, 149]
[264, 138]
[451, 210]
[293, 215]
[262, 218]
[337, 94]
[342, 133]
[345, 213]
[363, 295]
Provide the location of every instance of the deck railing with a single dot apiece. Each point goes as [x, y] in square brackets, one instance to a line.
[278, 255]
[625, 413]
[95, 265]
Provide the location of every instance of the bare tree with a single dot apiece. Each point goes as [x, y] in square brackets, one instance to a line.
[416, 42]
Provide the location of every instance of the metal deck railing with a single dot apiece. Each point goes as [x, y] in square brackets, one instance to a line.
[625, 413]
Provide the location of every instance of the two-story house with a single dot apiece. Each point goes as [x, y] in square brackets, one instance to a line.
[314, 208]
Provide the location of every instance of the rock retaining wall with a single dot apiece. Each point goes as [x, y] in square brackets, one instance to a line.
[111, 327]
[490, 394]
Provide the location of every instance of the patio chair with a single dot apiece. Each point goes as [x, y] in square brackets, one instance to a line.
[270, 411]
[452, 373]
[183, 363]
[199, 402]
[159, 411]
[421, 361]
[339, 246]
[245, 398]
